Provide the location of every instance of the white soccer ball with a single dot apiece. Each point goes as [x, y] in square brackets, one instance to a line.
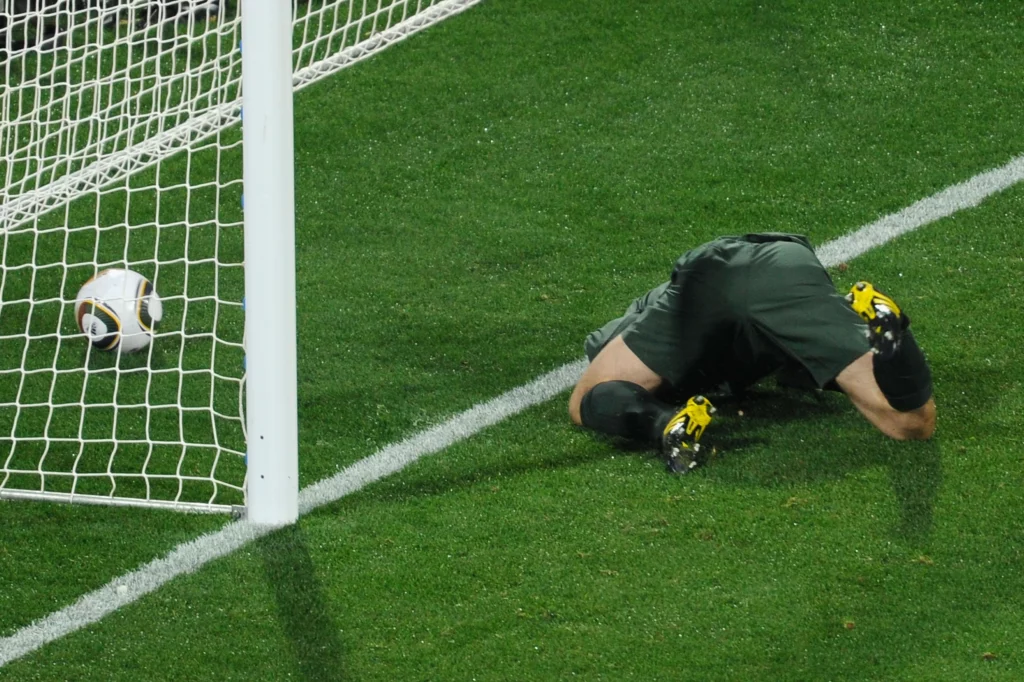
[118, 308]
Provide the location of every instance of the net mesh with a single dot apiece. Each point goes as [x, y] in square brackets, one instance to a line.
[121, 149]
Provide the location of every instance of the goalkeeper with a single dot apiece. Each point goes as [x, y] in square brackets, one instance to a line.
[736, 310]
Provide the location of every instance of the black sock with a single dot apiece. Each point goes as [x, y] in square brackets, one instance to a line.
[904, 377]
[624, 409]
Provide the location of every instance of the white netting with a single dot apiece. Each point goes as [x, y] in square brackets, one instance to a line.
[119, 147]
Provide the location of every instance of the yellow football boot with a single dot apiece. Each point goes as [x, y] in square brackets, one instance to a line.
[679, 440]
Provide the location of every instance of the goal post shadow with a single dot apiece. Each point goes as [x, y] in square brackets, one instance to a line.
[303, 608]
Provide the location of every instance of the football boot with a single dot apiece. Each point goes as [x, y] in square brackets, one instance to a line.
[679, 444]
[885, 320]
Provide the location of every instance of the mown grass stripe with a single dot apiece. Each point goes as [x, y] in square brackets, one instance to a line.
[191, 556]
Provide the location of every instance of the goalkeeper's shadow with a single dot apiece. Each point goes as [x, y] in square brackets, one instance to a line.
[468, 475]
[835, 444]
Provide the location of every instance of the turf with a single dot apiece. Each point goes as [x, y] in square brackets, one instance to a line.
[474, 201]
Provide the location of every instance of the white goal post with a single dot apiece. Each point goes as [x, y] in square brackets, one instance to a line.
[156, 136]
[268, 180]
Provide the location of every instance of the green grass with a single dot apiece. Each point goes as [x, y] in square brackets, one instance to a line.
[474, 201]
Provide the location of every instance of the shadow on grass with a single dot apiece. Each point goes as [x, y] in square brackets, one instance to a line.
[915, 472]
[788, 436]
[440, 482]
[302, 606]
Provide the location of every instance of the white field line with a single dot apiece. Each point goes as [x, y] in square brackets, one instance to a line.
[191, 556]
[947, 202]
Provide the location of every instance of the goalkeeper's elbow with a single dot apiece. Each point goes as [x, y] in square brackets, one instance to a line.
[916, 424]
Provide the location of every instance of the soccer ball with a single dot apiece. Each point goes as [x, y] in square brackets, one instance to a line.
[118, 308]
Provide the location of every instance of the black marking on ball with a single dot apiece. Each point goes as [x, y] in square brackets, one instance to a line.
[110, 321]
[142, 309]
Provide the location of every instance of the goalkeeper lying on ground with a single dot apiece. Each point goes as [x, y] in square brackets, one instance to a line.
[736, 310]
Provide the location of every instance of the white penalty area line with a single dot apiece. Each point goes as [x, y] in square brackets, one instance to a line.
[191, 556]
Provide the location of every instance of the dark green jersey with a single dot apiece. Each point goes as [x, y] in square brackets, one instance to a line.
[738, 309]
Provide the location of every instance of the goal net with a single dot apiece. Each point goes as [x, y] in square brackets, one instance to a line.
[121, 147]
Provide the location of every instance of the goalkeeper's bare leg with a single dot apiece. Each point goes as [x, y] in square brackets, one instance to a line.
[615, 396]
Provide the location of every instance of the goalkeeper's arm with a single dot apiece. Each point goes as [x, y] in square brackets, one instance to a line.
[859, 382]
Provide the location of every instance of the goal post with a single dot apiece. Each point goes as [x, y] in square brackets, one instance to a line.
[269, 208]
[155, 136]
